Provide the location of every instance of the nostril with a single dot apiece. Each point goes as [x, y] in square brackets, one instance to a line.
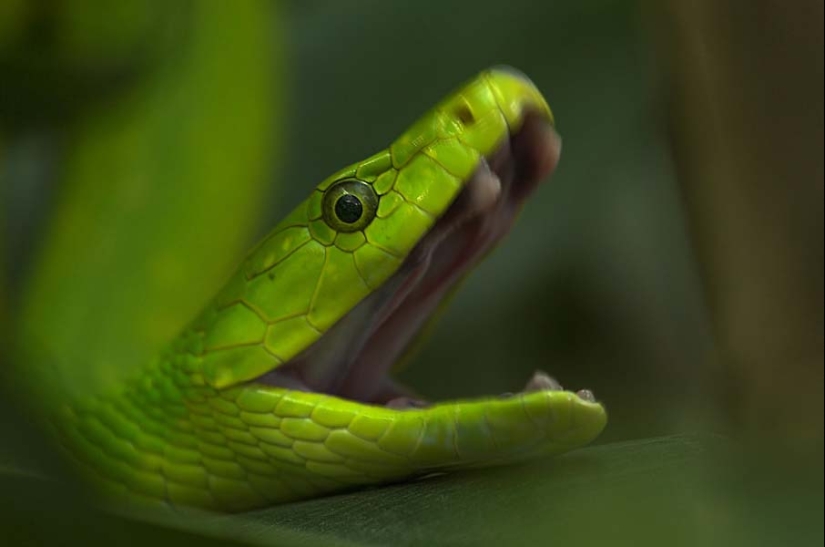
[464, 114]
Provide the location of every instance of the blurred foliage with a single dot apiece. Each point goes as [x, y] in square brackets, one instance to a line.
[59, 57]
[148, 185]
[673, 264]
[747, 84]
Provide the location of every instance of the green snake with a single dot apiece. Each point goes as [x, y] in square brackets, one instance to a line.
[280, 388]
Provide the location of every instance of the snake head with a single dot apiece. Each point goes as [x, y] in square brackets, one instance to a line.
[346, 281]
[329, 301]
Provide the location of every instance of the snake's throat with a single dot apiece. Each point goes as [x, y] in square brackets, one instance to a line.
[353, 359]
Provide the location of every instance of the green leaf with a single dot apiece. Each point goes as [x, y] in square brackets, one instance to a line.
[662, 491]
[679, 490]
[160, 193]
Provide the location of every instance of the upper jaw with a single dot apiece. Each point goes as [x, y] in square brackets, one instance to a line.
[353, 358]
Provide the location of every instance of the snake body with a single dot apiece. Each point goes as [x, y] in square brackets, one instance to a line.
[205, 425]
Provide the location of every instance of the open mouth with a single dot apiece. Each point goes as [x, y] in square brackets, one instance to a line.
[353, 359]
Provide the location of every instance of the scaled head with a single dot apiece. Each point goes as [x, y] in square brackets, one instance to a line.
[356, 229]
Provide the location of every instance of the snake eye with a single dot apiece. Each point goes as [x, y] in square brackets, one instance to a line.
[349, 205]
[349, 209]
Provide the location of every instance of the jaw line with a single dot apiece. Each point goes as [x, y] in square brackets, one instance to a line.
[353, 359]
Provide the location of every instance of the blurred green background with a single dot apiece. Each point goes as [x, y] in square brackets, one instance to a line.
[673, 264]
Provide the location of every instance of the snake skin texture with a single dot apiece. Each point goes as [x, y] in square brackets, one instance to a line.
[194, 429]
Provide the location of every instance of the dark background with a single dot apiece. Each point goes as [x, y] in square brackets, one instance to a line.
[673, 264]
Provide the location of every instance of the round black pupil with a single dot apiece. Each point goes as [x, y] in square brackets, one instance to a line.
[348, 208]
